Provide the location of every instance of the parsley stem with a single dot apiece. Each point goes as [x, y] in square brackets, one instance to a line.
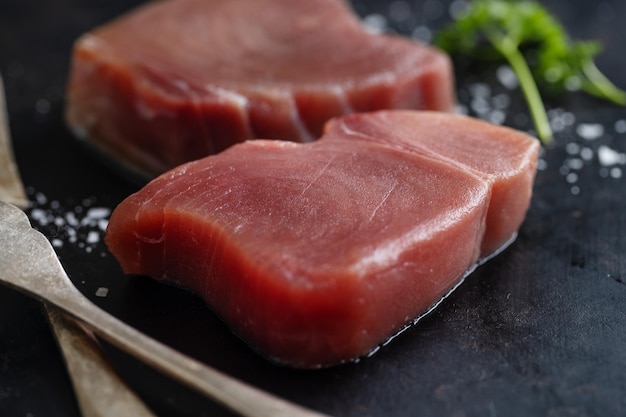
[510, 25]
[602, 86]
[510, 50]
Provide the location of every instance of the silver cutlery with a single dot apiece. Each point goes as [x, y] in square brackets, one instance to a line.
[29, 264]
[99, 390]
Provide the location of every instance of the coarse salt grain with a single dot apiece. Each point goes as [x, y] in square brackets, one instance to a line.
[586, 154]
[422, 33]
[608, 156]
[590, 131]
[457, 7]
[82, 226]
[98, 212]
[575, 163]
[102, 292]
[375, 23]
[542, 165]
[572, 148]
[507, 77]
[616, 172]
[93, 237]
[571, 178]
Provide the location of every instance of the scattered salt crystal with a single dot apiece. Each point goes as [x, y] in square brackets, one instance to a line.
[98, 212]
[542, 165]
[604, 172]
[560, 119]
[586, 154]
[462, 109]
[375, 23]
[616, 172]
[40, 216]
[571, 178]
[557, 125]
[71, 219]
[102, 224]
[575, 190]
[94, 215]
[422, 33]
[41, 198]
[457, 7]
[608, 156]
[480, 90]
[480, 105]
[93, 237]
[102, 292]
[575, 163]
[620, 126]
[572, 148]
[568, 118]
[590, 131]
[501, 101]
[496, 117]
[507, 77]
[81, 226]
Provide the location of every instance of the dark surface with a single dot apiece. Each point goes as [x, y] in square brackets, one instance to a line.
[538, 331]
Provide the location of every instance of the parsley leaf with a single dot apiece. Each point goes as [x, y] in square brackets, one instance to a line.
[514, 30]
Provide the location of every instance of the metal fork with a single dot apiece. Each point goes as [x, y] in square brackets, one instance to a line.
[43, 277]
[28, 263]
[99, 390]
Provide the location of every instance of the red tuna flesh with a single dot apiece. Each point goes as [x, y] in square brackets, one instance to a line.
[505, 158]
[313, 253]
[176, 80]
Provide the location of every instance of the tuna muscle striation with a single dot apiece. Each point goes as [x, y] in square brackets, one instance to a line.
[505, 158]
[176, 80]
[317, 253]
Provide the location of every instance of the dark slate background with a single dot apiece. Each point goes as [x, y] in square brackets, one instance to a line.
[538, 331]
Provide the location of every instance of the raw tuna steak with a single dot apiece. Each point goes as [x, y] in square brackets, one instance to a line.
[177, 80]
[313, 253]
[505, 158]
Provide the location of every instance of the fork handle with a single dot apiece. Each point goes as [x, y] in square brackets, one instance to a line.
[238, 396]
[28, 263]
[99, 389]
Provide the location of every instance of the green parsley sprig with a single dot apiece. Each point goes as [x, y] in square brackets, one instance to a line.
[509, 29]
